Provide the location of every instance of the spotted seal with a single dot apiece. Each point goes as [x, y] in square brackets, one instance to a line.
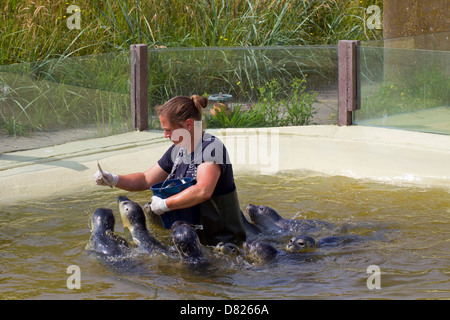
[269, 221]
[300, 243]
[227, 248]
[259, 251]
[103, 240]
[133, 220]
[303, 242]
[188, 244]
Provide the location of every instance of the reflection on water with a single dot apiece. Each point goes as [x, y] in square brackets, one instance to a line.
[38, 241]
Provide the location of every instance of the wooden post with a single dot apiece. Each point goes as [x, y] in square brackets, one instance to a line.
[348, 64]
[139, 86]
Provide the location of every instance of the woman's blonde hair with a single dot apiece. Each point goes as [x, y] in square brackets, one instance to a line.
[180, 108]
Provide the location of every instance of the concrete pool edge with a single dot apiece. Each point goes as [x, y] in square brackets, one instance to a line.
[379, 154]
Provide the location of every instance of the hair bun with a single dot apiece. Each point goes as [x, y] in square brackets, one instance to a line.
[199, 101]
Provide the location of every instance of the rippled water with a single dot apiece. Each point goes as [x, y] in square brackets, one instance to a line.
[39, 240]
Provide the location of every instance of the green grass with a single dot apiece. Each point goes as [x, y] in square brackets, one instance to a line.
[276, 107]
[35, 30]
[65, 93]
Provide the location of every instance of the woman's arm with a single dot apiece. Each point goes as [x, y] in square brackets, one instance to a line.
[141, 181]
[208, 174]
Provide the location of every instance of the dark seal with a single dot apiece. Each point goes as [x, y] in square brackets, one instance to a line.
[188, 244]
[303, 242]
[269, 221]
[103, 240]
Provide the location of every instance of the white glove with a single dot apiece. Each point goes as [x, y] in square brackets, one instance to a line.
[158, 205]
[112, 178]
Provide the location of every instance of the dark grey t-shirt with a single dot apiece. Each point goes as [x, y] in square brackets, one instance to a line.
[210, 149]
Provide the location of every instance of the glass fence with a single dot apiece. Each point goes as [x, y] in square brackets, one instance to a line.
[266, 86]
[89, 96]
[404, 89]
[259, 86]
[85, 97]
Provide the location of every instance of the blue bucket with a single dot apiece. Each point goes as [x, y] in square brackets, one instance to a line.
[169, 188]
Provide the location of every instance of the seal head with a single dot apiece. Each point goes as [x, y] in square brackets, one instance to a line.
[187, 244]
[264, 217]
[300, 243]
[227, 248]
[269, 221]
[259, 251]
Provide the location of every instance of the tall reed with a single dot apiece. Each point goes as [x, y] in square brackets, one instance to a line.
[33, 30]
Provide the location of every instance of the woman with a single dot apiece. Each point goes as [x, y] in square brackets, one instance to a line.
[198, 155]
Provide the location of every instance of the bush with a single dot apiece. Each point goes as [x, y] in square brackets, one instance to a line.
[275, 108]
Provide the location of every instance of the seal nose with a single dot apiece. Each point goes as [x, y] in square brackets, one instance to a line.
[122, 199]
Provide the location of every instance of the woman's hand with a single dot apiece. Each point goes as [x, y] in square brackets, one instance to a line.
[111, 179]
[158, 205]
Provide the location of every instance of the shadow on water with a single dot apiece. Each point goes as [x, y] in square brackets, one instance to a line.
[40, 240]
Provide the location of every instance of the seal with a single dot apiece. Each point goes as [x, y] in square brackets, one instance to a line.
[133, 220]
[259, 251]
[269, 221]
[188, 244]
[300, 243]
[152, 217]
[103, 240]
[303, 242]
[227, 248]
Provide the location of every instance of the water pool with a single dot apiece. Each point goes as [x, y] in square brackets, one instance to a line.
[40, 239]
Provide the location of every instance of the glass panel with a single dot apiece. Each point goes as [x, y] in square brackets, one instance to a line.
[405, 89]
[269, 77]
[90, 96]
[86, 96]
